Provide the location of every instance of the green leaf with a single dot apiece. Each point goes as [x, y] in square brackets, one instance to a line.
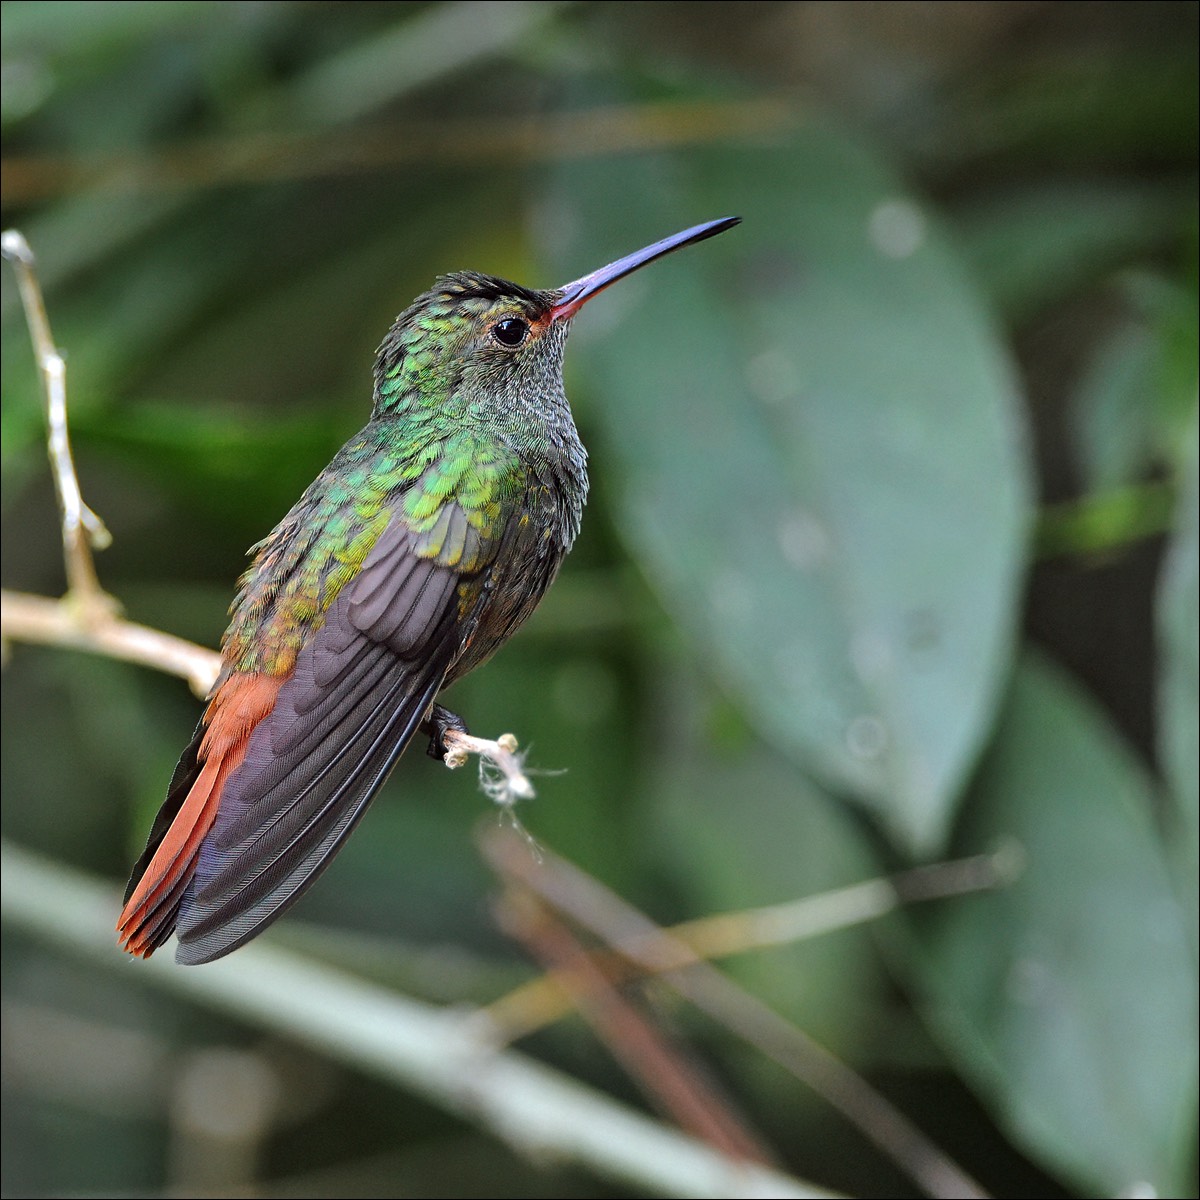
[1069, 998]
[1105, 521]
[1179, 689]
[213, 456]
[1132, 408]
[424, 45]
[1114, 407]
[819, 452]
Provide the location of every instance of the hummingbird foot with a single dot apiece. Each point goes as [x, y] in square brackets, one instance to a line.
[439, 723]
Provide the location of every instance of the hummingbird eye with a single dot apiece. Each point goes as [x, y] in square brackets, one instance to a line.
[510, 332]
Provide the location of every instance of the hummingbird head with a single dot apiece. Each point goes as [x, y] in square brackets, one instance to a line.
[479, 346]
[472, 345]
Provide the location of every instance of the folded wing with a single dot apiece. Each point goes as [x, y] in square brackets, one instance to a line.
[271, 787]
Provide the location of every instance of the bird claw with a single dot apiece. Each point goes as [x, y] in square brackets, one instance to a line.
[440, 722]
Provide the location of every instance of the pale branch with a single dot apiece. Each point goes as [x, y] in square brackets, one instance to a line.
[645, 1048]
[438, 1053]
[541, 1001]
[506, 782]
[841, 908]
[38, 619]
[82, 529]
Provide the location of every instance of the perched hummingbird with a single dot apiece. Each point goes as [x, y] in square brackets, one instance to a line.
[411, 559]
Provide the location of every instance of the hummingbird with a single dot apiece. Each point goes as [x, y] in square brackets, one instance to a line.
[431, 536]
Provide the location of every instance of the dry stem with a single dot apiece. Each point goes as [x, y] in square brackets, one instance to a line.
[82, 529]
[594, 907]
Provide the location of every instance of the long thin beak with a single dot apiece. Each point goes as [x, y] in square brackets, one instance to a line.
[575, 295]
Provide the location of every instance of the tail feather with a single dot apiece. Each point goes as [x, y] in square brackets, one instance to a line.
[169, 862]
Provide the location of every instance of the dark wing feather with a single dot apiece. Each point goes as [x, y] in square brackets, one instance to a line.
[186, 772]
[360, 688]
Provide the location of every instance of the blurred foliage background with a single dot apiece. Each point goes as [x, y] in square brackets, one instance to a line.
[891, 553]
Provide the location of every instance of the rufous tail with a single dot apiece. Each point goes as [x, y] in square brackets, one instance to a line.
[238, 705]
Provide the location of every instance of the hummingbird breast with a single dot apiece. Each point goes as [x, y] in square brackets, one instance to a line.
[535, 537]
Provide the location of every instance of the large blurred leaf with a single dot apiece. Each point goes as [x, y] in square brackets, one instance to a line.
[1134, 404]
[1179, 683]
[1070, 997]
[823, 468]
